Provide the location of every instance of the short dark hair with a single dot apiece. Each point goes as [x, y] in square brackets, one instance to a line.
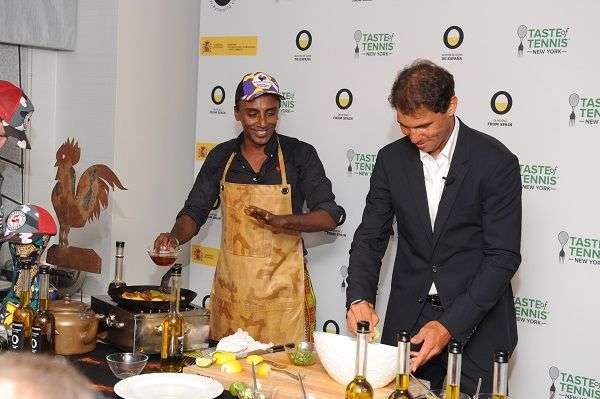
[422, 84]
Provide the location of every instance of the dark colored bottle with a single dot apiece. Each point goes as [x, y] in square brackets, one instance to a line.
[403, 376]
[23, 315]
[44, 326]
[119, 257]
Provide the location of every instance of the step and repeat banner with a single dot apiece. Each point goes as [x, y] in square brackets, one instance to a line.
[526, 72]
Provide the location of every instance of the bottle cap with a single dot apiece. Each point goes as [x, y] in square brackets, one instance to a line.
[501, 356]
[455, 347]
[403, 336]
[120, 244]
[362, 327]
[176, 269]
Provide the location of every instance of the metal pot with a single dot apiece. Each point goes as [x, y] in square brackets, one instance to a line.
[76, 327]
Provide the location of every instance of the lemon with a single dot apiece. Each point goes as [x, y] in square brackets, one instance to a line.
[236, 388]
[204, 361]
[223, 357]
[254, 359]
[263, 370]
[231, 367]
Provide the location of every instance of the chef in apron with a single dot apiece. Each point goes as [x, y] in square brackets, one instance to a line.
[262, 180]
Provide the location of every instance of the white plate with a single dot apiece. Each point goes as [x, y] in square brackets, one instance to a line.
[168, 386]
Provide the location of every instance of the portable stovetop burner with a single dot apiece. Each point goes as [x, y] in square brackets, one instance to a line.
[141, 331]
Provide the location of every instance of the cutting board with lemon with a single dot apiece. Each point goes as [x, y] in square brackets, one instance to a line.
[317, 383]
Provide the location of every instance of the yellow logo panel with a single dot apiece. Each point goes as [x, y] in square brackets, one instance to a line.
[228, 45]
[205, 255]
[202, 150]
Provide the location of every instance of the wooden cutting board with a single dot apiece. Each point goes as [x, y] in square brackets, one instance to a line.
[316, 382]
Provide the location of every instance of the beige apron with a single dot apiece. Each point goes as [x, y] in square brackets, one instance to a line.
[259, 282]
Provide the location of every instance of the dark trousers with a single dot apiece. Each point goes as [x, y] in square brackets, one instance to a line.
[435, 369]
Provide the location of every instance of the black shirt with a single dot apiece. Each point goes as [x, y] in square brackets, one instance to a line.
[304, 169]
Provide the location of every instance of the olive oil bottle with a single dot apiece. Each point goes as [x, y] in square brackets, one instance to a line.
[43, 327]
[23, 315]
[454, 369]
[403, 376]
[359, 387]
[171, 349]
[500, 376]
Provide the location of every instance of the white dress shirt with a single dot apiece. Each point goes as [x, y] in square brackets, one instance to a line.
[435, 170]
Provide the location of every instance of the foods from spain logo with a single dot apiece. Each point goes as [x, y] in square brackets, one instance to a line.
[337, 232]
[578, 249]
[304, 40]
[288, 102]
[501, 103]
[202, 150]
[453, 38]
[344, 99]
[539, 177]
[221, 5]
[571, 385]
[373, 44]
[360, 163]
[547, 40]
[532, 310]
[584, 110]
[204, 255]
[217, 95]
[214, 46]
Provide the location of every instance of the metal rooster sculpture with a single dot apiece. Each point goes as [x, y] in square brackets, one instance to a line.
[75, 205]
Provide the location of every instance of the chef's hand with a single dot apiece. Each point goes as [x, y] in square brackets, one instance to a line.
[362, 310]
[265, 217]
[434, 337]
[165, 241]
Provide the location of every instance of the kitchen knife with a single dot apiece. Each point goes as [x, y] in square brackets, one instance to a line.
[273, 349]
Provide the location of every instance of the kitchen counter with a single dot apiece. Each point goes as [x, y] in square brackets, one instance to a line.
[94, 366]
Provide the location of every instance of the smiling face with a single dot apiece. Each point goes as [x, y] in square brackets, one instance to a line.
[258, 118]
[428, 130]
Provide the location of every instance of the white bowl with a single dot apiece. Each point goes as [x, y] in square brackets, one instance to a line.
[337, 354]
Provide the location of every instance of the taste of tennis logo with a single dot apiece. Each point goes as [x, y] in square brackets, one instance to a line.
[360, 163]
[539, 177]
[343, 100]
[584, 110]
[552, 40]
[221, 5]
[532, 310]
[288, 102]
[501, 103]
[572, 385]
[578, 249]
[373, 44]
[453, 38]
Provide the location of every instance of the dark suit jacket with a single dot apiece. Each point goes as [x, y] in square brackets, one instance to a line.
[471, 255]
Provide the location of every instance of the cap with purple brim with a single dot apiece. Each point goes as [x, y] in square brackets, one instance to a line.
[256, 84]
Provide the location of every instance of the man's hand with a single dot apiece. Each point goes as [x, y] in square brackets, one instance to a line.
[362, 310]
[165, 242]
[265, 217]
[434, 337]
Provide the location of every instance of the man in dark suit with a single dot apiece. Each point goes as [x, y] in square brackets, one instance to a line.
[456, 196]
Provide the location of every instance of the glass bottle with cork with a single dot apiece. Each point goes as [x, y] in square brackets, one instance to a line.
[454, 370]
[23, 315]
[359, 387]
[171, 350]
[119, 257]
[43, 326]
[403, 376]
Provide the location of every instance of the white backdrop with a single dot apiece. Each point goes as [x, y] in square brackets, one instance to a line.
[556, 300]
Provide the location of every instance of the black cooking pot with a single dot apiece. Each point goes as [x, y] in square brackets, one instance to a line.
[187, 296]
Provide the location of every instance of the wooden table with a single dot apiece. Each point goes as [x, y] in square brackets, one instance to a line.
[317, 382]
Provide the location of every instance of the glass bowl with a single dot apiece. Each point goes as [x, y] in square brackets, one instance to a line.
[301, 353]
[163, 257]
[125, 365]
